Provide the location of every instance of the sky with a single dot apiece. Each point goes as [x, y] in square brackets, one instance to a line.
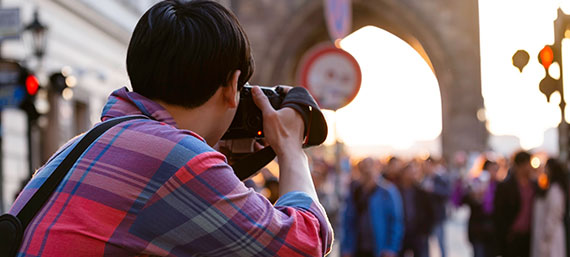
[385, 112]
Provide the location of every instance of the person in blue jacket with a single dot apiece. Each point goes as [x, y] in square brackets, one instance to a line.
[373, 216]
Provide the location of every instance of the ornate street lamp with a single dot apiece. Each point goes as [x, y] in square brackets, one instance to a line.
[38, 43]
[39, 39]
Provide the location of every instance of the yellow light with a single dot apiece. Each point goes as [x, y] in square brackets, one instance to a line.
[535, 162]
[481, 115]
[259, 133]
[337, 42]
[66, 71]
[543, 181]
[67, 94]
[71, 81]
[424, 156]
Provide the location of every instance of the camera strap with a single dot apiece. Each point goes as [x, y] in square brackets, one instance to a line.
[316, 130]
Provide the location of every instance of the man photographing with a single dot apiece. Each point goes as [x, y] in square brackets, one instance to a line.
[155, 185]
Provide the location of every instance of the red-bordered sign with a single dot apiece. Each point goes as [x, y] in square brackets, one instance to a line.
[331, 75]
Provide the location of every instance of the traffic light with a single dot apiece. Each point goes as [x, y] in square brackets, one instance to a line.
[62, 82]
[32, 86]
[547, 56]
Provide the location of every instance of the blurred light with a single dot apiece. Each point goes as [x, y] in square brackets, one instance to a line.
[66, 71]
[259, 133]
[424, 156]
[71, 81]
[42, 104]
[535, 162]
[554, 70]
[67, 94]
[481, 115]
[32, 85]
[337, 42]
[546, 56]
[396, 101]
[543, 181]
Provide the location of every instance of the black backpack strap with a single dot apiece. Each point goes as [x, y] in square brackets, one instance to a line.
[41, 196]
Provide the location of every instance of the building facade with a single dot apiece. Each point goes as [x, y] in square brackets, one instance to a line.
[89, 38]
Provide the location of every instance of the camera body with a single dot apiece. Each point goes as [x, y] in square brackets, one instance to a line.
[248, 120]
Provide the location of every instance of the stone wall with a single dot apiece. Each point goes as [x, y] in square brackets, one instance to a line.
[444, 32]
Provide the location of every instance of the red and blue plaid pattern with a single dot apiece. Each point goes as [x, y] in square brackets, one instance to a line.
[148, 188]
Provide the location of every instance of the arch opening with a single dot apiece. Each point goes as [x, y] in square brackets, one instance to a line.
[393, 113]
[460, 90]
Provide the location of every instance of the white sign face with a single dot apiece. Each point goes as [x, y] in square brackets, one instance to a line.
[332, 76]
[10, 26]
[338, 14]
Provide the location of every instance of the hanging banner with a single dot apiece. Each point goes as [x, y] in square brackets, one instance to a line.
[338, 14]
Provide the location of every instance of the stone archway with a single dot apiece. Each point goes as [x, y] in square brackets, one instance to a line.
[445, 34]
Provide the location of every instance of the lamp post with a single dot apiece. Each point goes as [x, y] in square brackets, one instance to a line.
[38, 33]
[38, 44]
[548, 85]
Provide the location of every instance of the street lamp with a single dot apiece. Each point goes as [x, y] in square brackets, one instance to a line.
[38, 43]
[38, 31]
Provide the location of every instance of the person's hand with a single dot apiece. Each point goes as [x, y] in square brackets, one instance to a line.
[283, 128]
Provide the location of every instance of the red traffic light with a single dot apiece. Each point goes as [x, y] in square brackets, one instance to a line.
[32, 85]
[546, 56]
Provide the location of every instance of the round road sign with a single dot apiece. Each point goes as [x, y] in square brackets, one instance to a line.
[331, 75]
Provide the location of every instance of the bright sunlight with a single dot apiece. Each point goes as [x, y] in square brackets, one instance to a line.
[393, 110]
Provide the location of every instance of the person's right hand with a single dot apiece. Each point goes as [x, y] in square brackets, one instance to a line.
[283, 128]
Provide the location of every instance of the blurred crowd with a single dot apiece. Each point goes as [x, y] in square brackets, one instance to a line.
[393, 206]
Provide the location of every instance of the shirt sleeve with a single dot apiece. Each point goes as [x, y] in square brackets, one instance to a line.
[204, 209]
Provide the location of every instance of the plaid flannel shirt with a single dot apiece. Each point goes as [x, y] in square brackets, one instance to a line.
[146, 187]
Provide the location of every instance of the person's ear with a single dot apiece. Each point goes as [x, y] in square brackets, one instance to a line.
[231, 94]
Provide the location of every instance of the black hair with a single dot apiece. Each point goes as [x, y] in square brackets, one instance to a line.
[181, 52]
[557, 174]
[521, 158]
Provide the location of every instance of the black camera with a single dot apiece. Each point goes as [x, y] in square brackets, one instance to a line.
[248, 121]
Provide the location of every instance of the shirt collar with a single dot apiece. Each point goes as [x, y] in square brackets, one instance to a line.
[122, 103]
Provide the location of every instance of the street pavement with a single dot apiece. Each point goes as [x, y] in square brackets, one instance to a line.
[457, 244]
